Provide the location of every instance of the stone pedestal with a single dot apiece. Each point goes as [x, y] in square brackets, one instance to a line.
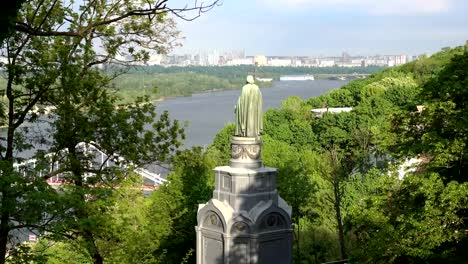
[246, 221]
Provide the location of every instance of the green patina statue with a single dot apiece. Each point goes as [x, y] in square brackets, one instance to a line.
[248, 110]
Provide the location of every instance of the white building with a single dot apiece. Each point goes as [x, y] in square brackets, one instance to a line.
[246, 61]
[349, 64]
[298, 63]
[401, 59]
[155, 59]
[318, 112]
[376, 61]
[213, 58]
[279, 62]
[260, 60]
[326, 63]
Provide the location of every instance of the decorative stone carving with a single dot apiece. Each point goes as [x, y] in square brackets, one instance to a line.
[213, 221]
[272, 221]
[237, 151]
[240, 227]
[246, 152]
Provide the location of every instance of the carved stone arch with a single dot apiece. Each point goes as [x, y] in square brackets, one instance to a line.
[272, 221]
[240, 227]
[240, 224]
[212, 220]
[212, 207]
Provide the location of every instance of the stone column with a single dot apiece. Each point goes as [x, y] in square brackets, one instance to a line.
[246, 221]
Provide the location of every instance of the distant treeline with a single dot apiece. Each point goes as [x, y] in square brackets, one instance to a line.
[160, 85]
[242, 70]
[158, 81]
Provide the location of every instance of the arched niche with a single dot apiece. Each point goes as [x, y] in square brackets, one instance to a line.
[272, 221]
[240, 224]
[213, 221]
[240, 228]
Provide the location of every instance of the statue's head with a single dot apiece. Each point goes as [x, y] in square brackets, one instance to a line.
[250, 79]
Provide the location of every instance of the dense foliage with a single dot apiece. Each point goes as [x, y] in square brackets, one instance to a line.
[266, 71]
[51, 82]
[340, 171]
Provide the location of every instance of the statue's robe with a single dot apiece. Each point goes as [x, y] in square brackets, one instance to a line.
[249, 122]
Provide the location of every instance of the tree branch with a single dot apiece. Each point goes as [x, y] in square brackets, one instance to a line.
[25, 28]
[28, 107]
[160, 8]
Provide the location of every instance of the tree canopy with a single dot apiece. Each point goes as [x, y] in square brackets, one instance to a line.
[53, 57]
[341, 172]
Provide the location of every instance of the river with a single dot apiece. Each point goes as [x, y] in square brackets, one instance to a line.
[207, 113]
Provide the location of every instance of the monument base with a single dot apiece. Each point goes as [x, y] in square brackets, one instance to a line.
[246, 221]
[245, 152]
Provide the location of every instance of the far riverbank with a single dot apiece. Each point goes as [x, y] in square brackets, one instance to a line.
[159, 81]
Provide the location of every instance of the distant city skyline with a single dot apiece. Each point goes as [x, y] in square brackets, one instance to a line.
[247, 54]
[327, 28]
[236, 58]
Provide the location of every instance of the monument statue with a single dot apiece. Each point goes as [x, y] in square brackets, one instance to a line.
[248, 110]
[246, 221]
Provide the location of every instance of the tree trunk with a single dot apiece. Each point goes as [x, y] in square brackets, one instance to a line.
[4, 230]
[298, 240]
[78, 175]
[91, 247]
[6, 202]
[336, 191]
[97, 259]
[5, 188]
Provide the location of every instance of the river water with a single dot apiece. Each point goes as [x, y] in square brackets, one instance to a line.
[207, 113]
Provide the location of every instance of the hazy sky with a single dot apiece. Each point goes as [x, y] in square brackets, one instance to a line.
[328, 27]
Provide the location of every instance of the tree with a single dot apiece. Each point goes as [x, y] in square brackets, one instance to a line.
[86, 113]
[416, 220]
[51, 60]
[290, 126]
[8, 17]
[294, 178]
[190, 184]
[220, 150]
[420, 218]
[130, 233]
[335, 172]
[440, 131]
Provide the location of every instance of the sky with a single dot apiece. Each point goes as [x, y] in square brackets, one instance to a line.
[327, 27]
